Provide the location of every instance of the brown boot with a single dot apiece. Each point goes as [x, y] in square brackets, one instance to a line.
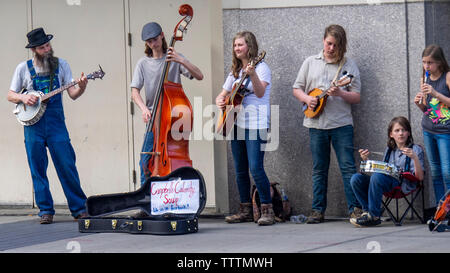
[267, 215]
[245, 214]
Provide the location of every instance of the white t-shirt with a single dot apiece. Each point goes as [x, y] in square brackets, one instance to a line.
[256, 111]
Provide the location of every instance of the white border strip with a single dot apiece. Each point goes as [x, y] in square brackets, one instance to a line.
[258, 4]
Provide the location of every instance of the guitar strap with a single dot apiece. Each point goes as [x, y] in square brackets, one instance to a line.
[341, 64]
[246, 91]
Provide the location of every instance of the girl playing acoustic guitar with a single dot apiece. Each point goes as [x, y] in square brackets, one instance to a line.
[251, 127]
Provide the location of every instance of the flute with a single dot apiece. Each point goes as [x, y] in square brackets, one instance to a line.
[425, 80]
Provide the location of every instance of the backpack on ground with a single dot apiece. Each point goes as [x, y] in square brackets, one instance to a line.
[280, 203]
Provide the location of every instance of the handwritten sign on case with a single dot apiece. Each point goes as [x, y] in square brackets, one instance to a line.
[175, 196]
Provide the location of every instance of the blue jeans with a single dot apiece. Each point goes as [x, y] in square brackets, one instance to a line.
[369, 190]
[147, 146]
[438, 152]
[51, 132]
[342, 140]
[247, 154]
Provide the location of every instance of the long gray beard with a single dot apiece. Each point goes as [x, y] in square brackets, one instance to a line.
[46, 62]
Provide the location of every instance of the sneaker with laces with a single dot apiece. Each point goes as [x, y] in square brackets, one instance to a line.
[356, 213]
[366, 220]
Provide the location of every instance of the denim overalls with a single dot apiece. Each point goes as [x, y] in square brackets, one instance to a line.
[51, 131]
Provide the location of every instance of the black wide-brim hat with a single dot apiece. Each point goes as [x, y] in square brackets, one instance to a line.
[37, 37]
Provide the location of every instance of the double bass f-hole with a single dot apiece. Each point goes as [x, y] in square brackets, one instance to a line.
[163, 155]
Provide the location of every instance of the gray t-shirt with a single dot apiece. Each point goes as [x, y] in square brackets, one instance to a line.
[315, 72]
[147, 74]
[22, 78]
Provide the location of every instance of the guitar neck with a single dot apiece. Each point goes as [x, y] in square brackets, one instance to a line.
[59, 90]
[254, 63]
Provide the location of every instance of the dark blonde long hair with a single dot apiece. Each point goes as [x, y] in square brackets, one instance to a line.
[339, 34]
[404, 122]
[149, 52]
[252, 45]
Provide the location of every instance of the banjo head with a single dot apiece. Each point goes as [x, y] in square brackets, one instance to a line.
[25, 113]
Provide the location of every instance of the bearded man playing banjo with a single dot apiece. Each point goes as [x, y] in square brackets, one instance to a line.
[38, 74]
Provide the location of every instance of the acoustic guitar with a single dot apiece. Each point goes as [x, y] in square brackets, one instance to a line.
[322, 96]
[227, 117]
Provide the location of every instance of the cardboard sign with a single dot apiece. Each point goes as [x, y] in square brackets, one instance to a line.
[175, 196]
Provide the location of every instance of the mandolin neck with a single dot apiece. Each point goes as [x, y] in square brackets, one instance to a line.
[324, 93]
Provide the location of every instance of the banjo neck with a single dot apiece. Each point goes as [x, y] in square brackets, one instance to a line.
[59, 90]
[94, 75]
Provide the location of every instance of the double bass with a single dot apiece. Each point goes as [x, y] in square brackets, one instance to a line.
[171, 119]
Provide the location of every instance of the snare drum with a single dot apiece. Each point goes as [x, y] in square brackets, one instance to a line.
[372, 166]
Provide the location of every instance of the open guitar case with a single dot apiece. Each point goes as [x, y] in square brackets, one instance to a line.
[162, 221]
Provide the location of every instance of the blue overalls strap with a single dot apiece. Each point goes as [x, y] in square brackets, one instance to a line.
[34, 76]
[32, 72]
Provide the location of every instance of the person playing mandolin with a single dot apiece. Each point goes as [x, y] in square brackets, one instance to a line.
[46, 73]
[331, 122]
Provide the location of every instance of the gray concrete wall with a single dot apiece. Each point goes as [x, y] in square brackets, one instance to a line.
[385, 40]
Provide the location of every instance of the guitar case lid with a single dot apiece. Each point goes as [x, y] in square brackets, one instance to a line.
[173, 203]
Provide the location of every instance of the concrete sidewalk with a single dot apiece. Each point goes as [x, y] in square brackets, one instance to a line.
[21, 232]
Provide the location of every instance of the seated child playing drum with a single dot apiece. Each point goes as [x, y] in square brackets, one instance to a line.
[400, 152]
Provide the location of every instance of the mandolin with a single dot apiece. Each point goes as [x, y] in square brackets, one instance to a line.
[322, 96]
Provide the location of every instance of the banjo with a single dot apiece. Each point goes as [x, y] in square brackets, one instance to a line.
[30, 114]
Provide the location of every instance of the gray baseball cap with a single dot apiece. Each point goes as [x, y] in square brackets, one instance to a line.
[151, 30]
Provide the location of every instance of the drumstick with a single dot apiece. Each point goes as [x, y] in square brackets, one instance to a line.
[355, 148]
